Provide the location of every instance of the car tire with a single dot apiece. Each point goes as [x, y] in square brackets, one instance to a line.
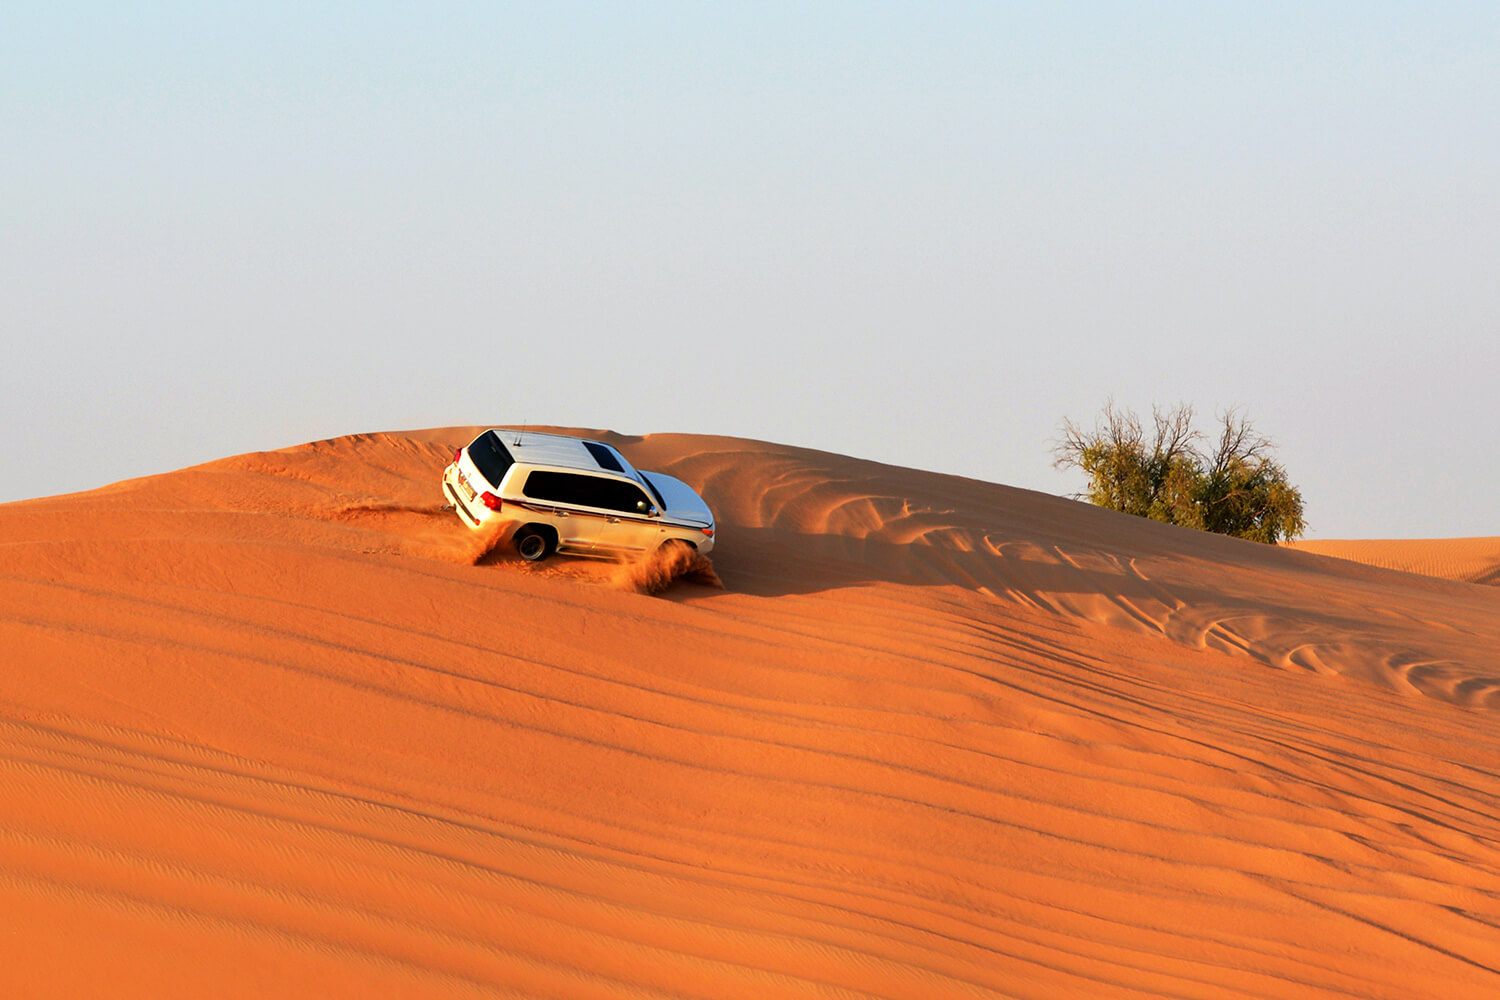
[533, 544]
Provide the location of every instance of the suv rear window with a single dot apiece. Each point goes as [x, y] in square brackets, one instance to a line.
[585, 491]
[490, 457]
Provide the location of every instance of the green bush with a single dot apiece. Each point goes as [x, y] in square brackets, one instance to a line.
[1237, 488]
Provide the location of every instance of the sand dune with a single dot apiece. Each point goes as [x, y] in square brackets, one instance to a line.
[1469, 560]
[279, 726]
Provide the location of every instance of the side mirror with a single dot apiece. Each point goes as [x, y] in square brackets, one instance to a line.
[647, 509]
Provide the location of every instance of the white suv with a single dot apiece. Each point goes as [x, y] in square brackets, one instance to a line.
[563, 494]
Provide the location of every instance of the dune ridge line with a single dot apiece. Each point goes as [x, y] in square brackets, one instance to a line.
[279, 725]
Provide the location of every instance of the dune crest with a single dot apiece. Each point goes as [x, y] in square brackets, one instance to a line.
[1272, 604]
[278, 725]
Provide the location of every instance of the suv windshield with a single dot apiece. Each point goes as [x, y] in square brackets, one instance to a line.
[661, 504]
[490, 457]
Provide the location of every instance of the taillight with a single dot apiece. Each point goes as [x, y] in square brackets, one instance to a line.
[457, 454]
[489, 500]
[709, 532]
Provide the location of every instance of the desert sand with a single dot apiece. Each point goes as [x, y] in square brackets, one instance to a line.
[1470, 560]
[278, 726]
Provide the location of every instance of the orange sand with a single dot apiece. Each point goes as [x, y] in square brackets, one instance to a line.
[1470, 560]
[277, 726]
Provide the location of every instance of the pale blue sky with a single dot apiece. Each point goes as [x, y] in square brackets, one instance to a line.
[918, 233]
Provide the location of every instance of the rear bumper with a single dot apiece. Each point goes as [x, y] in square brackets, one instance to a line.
[455, 496]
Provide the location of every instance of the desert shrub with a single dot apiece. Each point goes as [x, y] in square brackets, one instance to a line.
[1235, 488]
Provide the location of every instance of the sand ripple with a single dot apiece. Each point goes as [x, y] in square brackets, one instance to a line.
[277, 726]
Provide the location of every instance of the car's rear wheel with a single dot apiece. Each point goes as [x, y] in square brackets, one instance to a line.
[533, 544]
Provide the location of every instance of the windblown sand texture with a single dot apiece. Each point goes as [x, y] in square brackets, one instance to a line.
[278, 726]
[1471, 560]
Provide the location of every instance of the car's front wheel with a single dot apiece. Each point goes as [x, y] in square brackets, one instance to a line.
[533, 544]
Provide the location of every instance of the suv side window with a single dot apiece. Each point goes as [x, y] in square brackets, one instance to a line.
[584, 491]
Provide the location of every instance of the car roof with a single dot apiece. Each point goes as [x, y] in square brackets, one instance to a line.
[561, 452]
